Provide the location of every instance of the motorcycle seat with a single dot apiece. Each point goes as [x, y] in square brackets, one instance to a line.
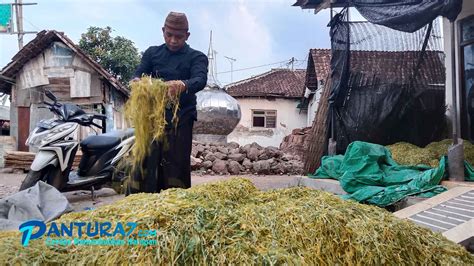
[105, 141]
[99, 142]
[121, 134]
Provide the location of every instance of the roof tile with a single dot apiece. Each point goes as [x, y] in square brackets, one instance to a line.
[283, 83]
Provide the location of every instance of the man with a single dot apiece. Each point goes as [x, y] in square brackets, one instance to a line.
[185, 72]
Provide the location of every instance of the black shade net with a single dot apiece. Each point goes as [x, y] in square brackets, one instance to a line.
[387, 85]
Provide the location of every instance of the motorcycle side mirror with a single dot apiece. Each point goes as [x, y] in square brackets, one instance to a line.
[50, 95]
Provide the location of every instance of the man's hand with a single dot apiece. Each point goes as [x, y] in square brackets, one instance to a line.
[175, 87]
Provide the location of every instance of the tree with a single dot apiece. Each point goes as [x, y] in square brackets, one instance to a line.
[118, 55]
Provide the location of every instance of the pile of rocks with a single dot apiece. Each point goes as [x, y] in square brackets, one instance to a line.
[231, 158]
[294, 143]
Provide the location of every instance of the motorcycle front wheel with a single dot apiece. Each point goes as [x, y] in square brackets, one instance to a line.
[51, 175]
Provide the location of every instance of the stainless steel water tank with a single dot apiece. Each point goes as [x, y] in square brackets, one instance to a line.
[218, 114]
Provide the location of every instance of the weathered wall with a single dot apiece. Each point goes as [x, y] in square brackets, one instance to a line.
[7, 143]
[288, 118]
[13, 117]
[117, 101]
[32, 74]
[313, 107]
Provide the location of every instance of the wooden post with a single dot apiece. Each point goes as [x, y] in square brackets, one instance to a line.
[23, 127]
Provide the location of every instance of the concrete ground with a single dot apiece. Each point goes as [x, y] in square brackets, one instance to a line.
[82, 200]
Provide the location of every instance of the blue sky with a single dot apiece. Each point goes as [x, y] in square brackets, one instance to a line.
[255, 32]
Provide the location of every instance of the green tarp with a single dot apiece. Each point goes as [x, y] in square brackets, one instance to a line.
[368, 174]
[468, 172]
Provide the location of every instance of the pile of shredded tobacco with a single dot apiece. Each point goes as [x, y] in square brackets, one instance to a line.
[409, 154]
[146, 111]
[231, 222]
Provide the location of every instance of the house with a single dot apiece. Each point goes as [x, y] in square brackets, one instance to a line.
[53, 62]
[464, 75]
[317, 74]
[268, 104]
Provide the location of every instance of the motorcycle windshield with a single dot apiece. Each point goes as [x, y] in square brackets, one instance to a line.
[48, 124]
[71, 110]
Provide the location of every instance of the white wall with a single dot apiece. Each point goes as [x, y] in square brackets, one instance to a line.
[467, 10]
[313, 106]
[288, 118]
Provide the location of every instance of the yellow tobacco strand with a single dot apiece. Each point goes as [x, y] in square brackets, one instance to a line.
[146, 111]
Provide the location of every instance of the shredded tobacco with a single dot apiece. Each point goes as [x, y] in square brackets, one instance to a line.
[409, 154]
[146, 111]
[231, 222]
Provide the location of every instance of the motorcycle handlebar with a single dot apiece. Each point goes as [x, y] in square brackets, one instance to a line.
[54, 108]
[99, 116]
[99, 126]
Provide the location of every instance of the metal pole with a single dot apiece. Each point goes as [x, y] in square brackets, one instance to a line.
[24, 4]
[19, 22]
[231, 61]
[231, 71]
[455, 151]
[454, 87]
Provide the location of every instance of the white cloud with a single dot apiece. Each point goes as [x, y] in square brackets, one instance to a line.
[249, 33]
[238, 32]
[255, 32]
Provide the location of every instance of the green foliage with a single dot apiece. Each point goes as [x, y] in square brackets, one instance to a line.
[118, 55]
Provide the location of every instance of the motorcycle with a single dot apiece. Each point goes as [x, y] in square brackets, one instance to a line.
[102, 154]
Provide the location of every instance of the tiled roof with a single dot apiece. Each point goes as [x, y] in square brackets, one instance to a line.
[42, 41]
[282, 83]
[319, 65]
[389, 67]
[398, 67]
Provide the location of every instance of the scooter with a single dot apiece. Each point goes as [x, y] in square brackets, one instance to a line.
[102, 154]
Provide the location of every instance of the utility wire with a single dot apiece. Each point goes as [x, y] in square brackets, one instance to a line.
[242, 69]
[34, 26]
[282, 64]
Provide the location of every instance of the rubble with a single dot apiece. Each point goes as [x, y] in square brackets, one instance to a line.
[216, 158]
[294, 143]
[208, 158]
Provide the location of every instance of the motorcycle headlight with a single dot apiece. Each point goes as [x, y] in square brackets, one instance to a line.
[34, 141]
[43, 128]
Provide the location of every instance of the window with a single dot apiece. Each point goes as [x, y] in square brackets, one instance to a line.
[264, 118]
[62, 55]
